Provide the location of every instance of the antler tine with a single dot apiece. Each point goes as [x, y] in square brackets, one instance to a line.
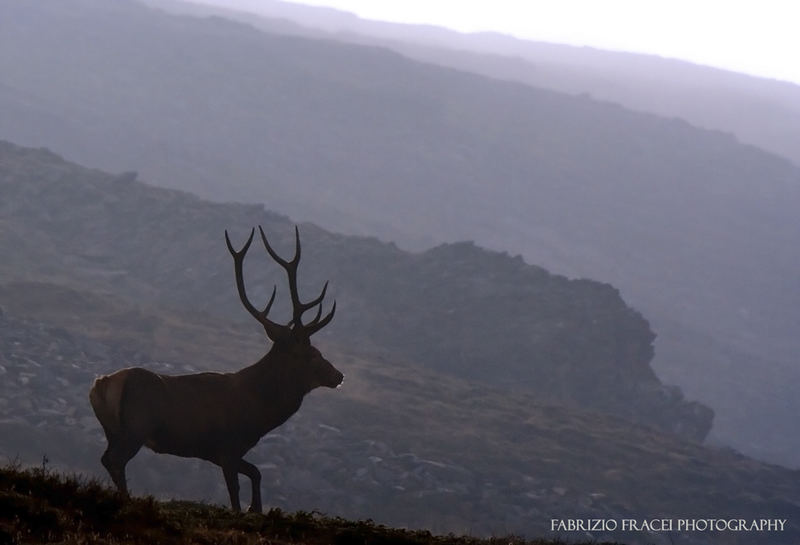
[296, 244]
[298, 307]
[282, 262]
[316, 324]
[238, 260]
[317, 301]
[243, 251]
[272, 328]
[291, 271]
[267, 308]
[304, 307]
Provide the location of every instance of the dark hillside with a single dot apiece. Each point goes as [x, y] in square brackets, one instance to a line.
[43, 507]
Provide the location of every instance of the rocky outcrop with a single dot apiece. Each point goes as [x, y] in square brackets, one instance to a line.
[457, 308]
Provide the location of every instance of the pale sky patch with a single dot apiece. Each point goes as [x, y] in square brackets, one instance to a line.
[756, 37]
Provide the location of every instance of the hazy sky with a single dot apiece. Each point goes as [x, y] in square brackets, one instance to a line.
[760, 37]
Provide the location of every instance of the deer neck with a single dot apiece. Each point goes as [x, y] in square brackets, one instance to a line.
[272, 378]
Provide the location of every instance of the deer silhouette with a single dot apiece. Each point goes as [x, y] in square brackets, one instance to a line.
[218, 417]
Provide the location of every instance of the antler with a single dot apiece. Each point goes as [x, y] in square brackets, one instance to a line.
[274, 330]
[298, 307]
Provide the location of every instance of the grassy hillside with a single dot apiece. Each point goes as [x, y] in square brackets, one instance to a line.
[696, 229]
[44, 507]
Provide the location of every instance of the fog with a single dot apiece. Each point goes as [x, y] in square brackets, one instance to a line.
[563, 275]
[710, 33]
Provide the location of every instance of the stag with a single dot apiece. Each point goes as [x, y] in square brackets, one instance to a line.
[218, 417]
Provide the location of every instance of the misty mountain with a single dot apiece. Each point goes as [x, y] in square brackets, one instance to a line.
[758, 111]
[697, 230]
[102, 271]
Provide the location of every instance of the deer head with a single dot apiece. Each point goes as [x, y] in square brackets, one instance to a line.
[293, 340]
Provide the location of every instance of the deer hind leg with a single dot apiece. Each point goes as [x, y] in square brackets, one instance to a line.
[115, 458]
[251, 471]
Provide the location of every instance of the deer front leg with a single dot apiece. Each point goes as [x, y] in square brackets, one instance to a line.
[231, 473]
[246, 468]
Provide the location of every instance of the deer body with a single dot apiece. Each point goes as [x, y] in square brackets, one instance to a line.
[217, 417]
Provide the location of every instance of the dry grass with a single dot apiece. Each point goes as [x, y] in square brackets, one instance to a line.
[40, 506]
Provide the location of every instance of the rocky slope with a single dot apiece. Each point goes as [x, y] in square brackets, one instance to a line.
[400, 445]
[457, 308]
[697, 230]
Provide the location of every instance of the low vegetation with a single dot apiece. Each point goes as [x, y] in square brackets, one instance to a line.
[40, 506]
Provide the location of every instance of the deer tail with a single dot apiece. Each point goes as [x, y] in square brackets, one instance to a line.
[105, 397]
